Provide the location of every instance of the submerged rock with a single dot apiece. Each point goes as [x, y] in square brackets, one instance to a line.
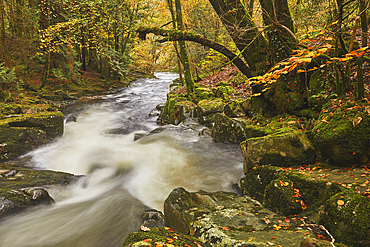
[225, 219]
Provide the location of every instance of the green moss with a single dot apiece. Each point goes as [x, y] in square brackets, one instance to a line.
[337, 138]
[349, 223]
[160, 235]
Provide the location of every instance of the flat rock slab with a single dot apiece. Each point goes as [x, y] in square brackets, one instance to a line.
[22, 187]
[225, 219]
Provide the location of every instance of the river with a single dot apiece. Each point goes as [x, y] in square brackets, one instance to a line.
[121, 177]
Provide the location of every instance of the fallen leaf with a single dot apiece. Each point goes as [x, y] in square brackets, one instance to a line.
[340, 202]
[356, 121]
[225, 228]
[144, 228]
[147, 240]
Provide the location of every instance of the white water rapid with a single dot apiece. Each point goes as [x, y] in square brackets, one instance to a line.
[123, 177]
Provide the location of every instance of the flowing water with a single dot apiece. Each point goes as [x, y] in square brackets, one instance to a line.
[123, 177]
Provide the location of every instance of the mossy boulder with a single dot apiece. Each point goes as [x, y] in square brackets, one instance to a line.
[225, 219]
[342, 134]
[22, 187]
[285, 95]
[343, 210]
[202, 93]
[286, 147]
[206, 110]
[20, 134]
[347, 217]
[176, 110]
[236, 108]
[160, 236]
[221, 90]
[226, 130]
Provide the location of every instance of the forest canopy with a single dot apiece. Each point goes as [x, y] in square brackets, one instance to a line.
[45, 42]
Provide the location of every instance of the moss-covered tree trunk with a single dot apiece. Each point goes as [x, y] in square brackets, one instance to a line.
[178, 35]
[175, 43]
[183, 53]
[246, 36]
[360, 78]
[276, 15]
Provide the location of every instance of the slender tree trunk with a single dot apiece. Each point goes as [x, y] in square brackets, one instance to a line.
[175, 43]
[276, 15]
[83, 50]
[2, 31]
[243, 31]
[360, 60]
[184, 55]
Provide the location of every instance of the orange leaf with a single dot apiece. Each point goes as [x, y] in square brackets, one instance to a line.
[147, 240]
[225, 228]
[301, 71]
[340, 202]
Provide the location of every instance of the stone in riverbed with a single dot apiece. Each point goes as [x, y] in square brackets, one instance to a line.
[176, 110]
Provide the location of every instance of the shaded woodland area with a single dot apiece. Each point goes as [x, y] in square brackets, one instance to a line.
[65, 45]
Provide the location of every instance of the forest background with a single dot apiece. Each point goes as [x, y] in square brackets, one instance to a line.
[66, 48]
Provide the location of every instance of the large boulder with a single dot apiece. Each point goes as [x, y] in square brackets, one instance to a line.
[318, 195]
[207, 109]
[21, 187]
[227, 130]
[176, 110]
[347, 217]
[21, 133]
[225, 219]
[342, 133]
[286, 147]
[237, 108]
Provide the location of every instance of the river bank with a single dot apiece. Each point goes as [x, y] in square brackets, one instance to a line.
[238, 219]
[312, 167]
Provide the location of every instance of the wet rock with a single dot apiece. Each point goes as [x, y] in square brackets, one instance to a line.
[153, 218]
[71, 118]
[154, 113]
[137, 136]
[284, 148]
[26, 188]
[176, 110]
[21, 134]
[225, 219]
[226, 130]
[12, 201]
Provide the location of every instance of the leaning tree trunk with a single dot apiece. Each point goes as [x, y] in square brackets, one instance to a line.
[276, 15]
[243, 31]
[177, 36]
[170, 6]
[184, 54]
